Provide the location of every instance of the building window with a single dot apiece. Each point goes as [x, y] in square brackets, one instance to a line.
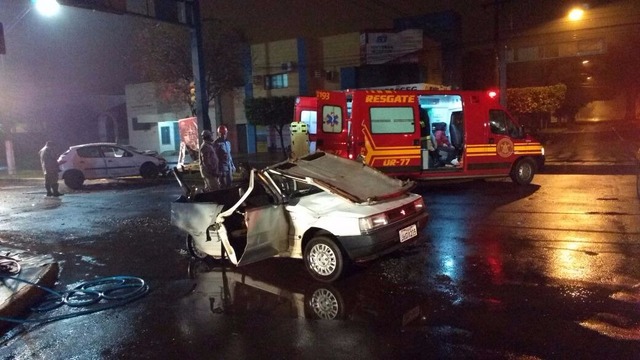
[139, 126]
[165, 135]
[551, 51]
[527, 54]
[278, 81]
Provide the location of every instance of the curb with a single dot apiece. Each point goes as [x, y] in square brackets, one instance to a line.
[596, 168]
[18, 302]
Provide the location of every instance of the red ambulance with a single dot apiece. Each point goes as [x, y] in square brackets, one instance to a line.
[395, 131]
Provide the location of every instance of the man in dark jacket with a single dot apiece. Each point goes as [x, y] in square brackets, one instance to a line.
[209, 163]
[226, 167]
[49, 162]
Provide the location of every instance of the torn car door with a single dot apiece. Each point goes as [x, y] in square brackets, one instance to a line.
[266, 221]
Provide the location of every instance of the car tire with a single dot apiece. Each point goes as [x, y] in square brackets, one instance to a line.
[523, 171]
[73, 179]
[324, 302]
[196, 253]
[193, 251]
[324, 259]
[149, 170]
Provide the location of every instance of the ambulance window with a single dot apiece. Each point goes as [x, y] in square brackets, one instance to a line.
[497, 122]
[392, 120]
[331, 119]
[500, 123]
[309, 117]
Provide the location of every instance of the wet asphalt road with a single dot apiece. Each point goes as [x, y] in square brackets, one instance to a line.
[501, 272]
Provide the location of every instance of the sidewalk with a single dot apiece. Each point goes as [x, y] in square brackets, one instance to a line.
[622, 163]
[17, 297]
[256, 160]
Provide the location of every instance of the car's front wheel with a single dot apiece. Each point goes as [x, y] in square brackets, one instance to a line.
[149, 171]
[193, 250]
[324, 259]
[73, 179]
[197, 253]
[523, 171]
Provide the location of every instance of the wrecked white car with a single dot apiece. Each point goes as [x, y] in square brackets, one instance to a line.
[324, 209]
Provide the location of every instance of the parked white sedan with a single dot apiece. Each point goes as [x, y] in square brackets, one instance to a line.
[324, 209]
[107, 160]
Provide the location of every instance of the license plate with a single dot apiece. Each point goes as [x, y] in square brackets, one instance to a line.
[409, 232]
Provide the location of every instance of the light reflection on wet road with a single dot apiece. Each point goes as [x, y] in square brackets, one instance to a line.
[546, 271]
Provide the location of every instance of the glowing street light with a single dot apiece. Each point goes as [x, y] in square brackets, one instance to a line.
[46, 7]
[576, 14]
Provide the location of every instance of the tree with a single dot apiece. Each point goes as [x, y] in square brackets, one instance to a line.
[536, 103]
[162, 53]
[274, 111]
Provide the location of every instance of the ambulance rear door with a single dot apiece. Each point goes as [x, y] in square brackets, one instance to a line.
[333, 123]
[306, 111]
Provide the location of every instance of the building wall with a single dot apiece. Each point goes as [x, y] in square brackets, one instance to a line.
[273, 58]
[148, 112]
[319, 64]
[309, 65]
[337, 52]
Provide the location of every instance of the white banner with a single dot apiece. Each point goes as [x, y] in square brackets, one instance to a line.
[384, 47]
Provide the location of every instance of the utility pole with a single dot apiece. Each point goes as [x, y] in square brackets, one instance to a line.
[167, 14]
[500, 52]
[8, 141]
[197, 62]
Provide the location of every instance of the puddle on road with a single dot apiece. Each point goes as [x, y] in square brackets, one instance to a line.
[91, 260]
[614, 326]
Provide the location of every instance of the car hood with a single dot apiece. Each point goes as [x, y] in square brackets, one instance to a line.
[349, 179]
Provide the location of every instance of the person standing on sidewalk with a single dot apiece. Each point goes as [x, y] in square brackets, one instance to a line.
[226, 166]
[49, 162]
[209, 163]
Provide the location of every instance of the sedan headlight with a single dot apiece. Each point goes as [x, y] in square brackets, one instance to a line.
[372, 222]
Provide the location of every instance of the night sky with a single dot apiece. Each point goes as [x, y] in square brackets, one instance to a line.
[78, 49]
[79, 52]
[54, 63]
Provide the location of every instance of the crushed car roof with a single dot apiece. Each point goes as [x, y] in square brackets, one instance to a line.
[350, 179]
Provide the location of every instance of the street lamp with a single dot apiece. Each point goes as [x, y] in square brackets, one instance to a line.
[576, 14]
[47, 7]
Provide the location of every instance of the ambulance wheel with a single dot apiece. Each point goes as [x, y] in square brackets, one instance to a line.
[523, 171]
[324, 259]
